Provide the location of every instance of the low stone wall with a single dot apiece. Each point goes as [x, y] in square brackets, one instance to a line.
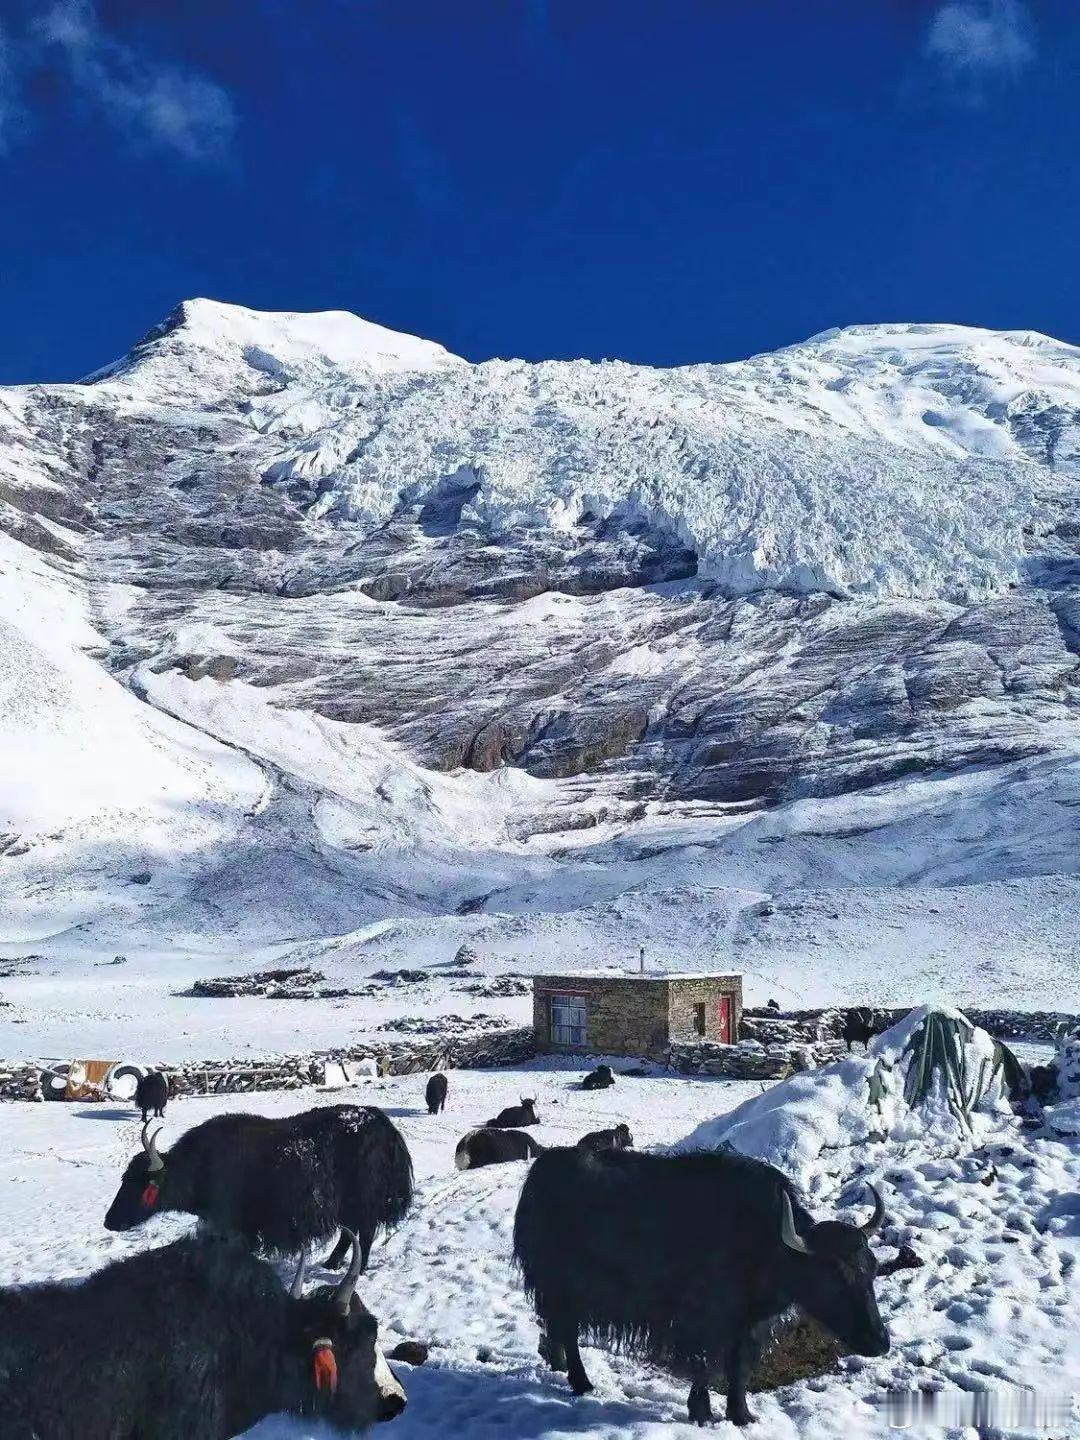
[19, 1080]
[812, 1026]
[294, 1072]
[751, 1061]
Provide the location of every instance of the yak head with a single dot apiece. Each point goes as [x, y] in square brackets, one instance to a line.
[348, 1382]
[529, 1106]
[139, 1195]
[834, 1277]
[623, 1139]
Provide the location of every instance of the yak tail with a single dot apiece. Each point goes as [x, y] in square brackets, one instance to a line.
[461, 1154]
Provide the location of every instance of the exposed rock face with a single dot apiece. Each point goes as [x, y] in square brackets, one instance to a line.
[854, 560]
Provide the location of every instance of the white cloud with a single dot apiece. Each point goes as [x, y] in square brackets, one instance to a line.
[149, 101]
[978, 39]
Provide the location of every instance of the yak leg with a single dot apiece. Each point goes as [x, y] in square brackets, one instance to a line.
[699, 1402]
[552, 1352]
[739, 1365]
[343, 1249]
[336, 1258]
[575, 1370]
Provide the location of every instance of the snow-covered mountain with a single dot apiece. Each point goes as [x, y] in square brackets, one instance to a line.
[306, 625]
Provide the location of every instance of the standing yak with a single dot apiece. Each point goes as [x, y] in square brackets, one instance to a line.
[688, 1260]
[280, 1183]
[152, 1094]
[194, 1341]
[435, 1093]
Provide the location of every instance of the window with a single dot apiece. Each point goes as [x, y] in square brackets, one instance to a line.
[699, 1019]
[568, 1020]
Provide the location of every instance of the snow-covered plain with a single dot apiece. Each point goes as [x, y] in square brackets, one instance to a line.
[994, 1308]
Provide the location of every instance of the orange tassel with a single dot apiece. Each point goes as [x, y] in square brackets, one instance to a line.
[324, 1369]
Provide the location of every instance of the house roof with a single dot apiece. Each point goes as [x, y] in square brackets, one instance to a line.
[567, 976]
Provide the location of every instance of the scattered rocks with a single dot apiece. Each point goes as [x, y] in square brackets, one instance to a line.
[417, 1025]
[300, 983]
[20, 1080]
[499, 986]
[410, 1352]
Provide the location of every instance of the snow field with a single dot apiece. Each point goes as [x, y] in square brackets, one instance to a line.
[993, 1307]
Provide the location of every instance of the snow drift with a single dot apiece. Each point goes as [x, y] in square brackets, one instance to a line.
[931, 1085]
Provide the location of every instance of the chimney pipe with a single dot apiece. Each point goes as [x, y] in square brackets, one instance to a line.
[641, 961]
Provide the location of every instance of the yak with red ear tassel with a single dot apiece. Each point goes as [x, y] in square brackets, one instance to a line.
[283, 1183]
[202, 1322]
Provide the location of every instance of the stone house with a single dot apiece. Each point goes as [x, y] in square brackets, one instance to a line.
[606, 1013]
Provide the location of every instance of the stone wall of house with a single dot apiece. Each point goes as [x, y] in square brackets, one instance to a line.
[624, 1016]
[684, 995]
[21, 1081]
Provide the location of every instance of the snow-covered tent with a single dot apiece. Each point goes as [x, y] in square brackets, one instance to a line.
[933, 1082]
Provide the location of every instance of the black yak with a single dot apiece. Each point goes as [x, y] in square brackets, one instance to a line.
[598, 1079]
[151, 1095]
[858, 1027]
[435, 1094]
[687, 1259]
[523, 1114]
[494, 1147]
[198, 1340]
[617, 1139]
[281, 1183]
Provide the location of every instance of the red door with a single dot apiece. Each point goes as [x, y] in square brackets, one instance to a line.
[724, 1017]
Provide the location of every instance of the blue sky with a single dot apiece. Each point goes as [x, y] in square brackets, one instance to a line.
[665, 182]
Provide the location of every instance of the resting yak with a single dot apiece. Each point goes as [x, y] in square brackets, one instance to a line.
[152, 1094]
[617, 1139]
[523, 1114]
[195, 1341]
[435, 1093]
[687, 1259]
[494, 1147]
[281, 1183]
[598, 1079]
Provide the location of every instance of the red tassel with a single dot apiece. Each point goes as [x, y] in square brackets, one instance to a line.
[149, 1196]
[324, 1369]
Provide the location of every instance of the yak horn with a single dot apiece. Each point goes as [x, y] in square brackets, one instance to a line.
[150, 1146]
[788, 1234]
[297, 1288]
[344, 1294]
[874, 1223]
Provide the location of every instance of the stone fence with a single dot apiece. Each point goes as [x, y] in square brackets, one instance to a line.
[812, 1026]
[21, 1081]
[750, 1060]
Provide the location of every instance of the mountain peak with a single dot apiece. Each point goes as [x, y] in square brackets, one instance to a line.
[282, 342]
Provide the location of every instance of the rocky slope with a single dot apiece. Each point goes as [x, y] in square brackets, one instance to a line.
[327, 571]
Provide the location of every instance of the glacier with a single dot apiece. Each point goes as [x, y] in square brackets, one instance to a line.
[315, 634]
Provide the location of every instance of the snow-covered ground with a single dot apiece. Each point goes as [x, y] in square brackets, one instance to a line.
[993, 1308]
